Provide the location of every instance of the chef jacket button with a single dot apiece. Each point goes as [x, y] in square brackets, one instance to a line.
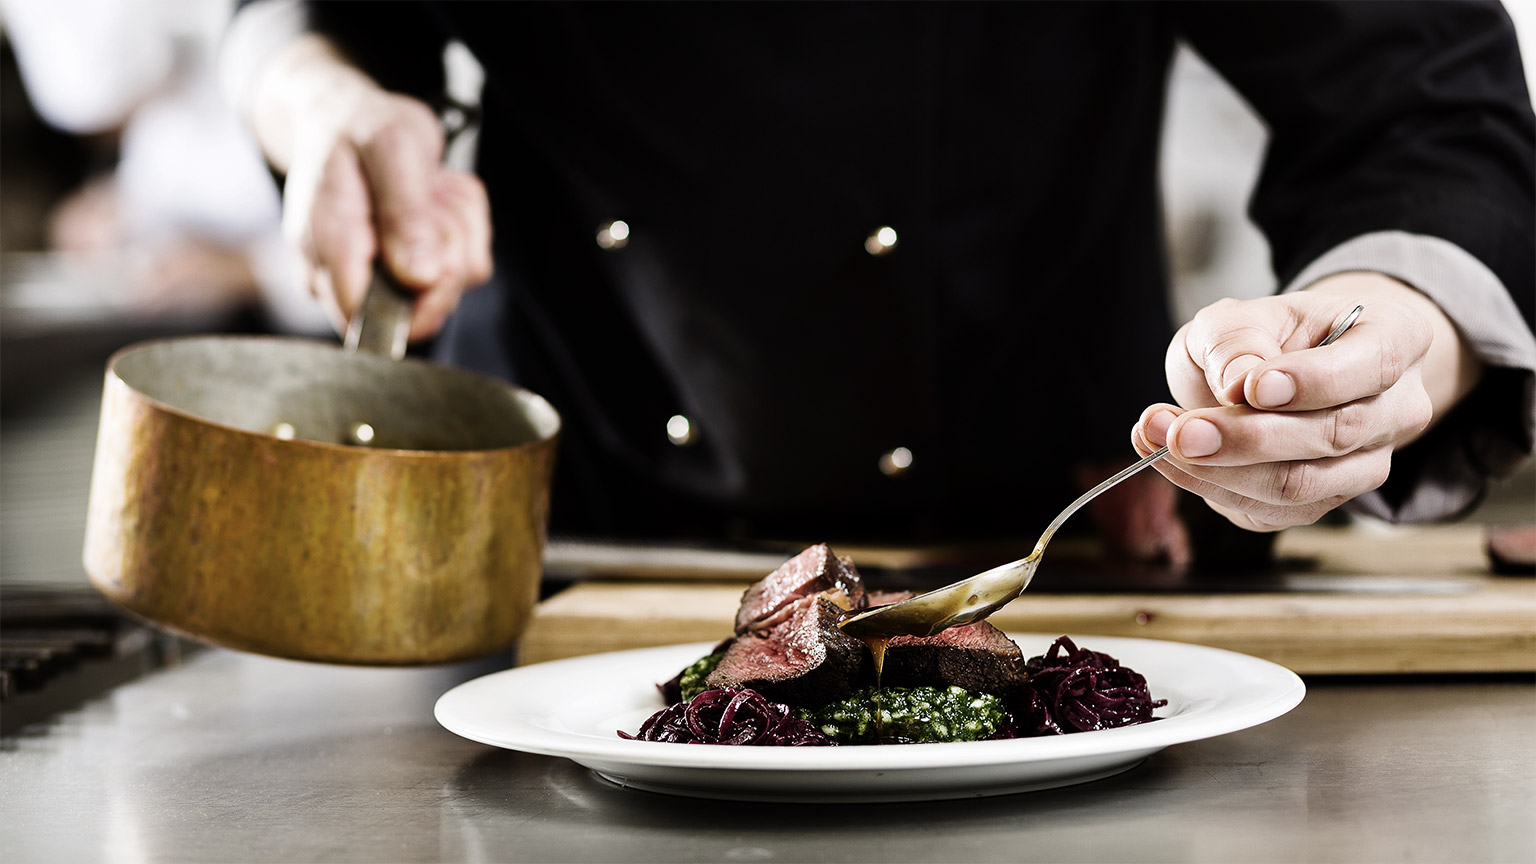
[881, 242]
[895, 463]
[613, 235]
[681, 431]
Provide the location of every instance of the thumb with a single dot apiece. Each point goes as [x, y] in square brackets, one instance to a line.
[1227, 340]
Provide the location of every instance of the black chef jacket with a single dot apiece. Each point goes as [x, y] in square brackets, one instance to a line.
[1019, 322]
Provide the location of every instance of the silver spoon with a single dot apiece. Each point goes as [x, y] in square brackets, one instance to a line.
[973, 599]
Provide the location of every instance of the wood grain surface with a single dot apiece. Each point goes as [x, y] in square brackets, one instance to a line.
[1369, 601]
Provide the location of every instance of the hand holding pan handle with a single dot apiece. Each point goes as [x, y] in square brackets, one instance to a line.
[382, 324]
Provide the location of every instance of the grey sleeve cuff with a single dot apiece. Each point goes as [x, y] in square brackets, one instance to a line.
[255, 34]
[1489, 433]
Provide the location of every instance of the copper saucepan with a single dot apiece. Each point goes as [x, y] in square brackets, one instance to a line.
[287, 497]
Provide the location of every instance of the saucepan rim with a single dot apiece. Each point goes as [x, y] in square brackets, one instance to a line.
[541, 415]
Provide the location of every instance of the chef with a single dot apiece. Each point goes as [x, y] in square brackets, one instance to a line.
[895, 270]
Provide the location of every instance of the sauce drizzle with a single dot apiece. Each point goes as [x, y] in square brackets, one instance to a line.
[877, 650]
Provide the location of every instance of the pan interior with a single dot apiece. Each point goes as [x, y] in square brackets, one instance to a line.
[316, 392]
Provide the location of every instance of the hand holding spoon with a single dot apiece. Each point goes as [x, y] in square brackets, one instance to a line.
[973, 599]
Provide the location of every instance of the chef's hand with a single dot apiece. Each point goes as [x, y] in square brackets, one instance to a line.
[1273, 431]
[364, 173]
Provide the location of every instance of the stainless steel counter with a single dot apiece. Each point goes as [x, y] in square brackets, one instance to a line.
[238, 758]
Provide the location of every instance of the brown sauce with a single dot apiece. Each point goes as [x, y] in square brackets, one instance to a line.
[877, 650]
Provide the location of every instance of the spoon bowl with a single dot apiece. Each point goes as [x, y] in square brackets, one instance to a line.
[974, 598]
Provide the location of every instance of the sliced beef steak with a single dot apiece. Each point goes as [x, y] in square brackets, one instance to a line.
[884, 598]
[804, 660]
[814, 570]
[790, 649]
[978, 657]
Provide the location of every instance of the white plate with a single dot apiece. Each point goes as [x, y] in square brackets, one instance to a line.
[574, 708]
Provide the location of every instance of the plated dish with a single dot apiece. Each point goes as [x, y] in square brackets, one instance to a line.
[573, 709]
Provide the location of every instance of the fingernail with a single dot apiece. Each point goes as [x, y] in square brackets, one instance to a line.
[413, 257]
[1199, 438]
[421, 261]
[1239, 367]
[1274, 389]
[1156, 430]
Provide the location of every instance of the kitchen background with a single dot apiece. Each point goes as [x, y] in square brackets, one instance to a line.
[133, 205]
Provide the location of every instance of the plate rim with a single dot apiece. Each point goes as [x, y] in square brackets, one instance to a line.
[1287, 691]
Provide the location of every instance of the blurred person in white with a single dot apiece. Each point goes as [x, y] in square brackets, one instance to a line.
[189, 212]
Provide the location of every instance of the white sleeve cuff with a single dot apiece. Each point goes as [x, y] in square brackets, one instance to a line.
[1478, 304]
[255, 34]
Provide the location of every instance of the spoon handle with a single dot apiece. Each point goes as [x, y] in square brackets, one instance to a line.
[1093, 493]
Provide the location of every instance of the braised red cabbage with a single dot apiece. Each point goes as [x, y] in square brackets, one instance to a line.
[1072, 689]
[733, 717]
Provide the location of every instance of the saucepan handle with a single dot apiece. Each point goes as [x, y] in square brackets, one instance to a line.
[382, 323]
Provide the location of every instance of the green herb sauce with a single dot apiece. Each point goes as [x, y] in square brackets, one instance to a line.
[692, 680]
[911, 714]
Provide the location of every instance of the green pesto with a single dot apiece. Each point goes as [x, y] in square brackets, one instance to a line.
[693, 677]
[911, 714]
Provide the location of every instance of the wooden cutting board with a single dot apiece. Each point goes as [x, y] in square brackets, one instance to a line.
[1369, 601]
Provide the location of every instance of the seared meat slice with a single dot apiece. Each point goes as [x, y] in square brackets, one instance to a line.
[672, 689]
[978, 657]
[884, 598]
[814, 570]
[803, 660]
